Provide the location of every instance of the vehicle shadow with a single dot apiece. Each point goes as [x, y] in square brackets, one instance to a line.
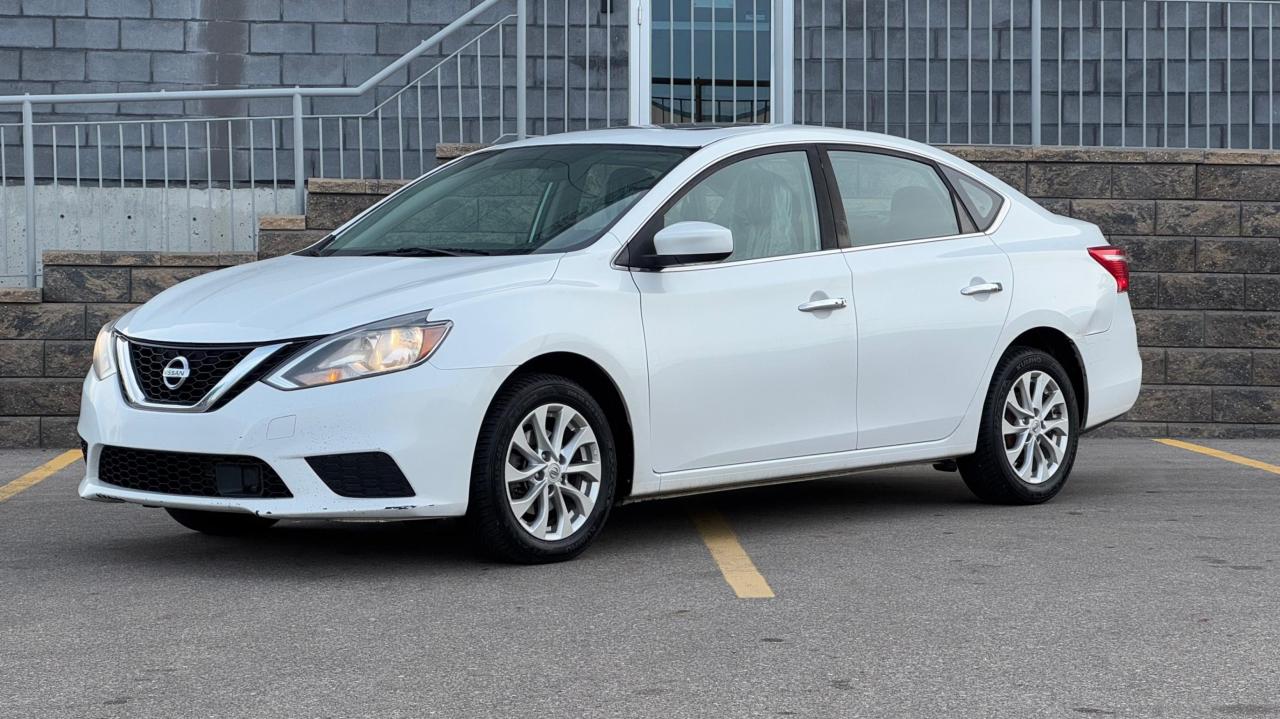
[635, 531]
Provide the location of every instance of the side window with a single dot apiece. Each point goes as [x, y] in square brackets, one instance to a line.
[892, 199]
[767, 201]
[983, 203]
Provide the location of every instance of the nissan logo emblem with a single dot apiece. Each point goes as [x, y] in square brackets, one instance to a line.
[176, 372]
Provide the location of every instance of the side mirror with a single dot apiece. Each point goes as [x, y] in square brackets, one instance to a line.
[688, 242]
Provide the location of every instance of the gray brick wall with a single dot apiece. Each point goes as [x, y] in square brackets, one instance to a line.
[1097, 101]
[1203, 237]
[63, 46]
[129, 45]
[1207, 305]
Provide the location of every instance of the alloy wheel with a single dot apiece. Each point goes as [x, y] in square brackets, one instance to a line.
[553, 472]
[1035, 426]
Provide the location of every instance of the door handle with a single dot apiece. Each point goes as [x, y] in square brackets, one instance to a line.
[831, 303]
[982, 289]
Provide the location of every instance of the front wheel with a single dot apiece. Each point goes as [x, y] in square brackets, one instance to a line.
[220, 524]
[1028, 434]
[544, 471]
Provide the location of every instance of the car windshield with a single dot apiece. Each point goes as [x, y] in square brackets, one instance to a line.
[549, 198]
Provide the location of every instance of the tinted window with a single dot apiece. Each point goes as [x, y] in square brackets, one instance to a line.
[766, 200]
[892, 199]
[983, 203]
[549, 198]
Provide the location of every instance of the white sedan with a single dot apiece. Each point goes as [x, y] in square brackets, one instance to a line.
[536, 332]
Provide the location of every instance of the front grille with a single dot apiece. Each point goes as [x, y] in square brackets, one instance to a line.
[207, 365]
[361, 474]
[189, 474]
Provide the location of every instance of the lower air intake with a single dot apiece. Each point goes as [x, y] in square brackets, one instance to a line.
[189, 474]
[365, 475]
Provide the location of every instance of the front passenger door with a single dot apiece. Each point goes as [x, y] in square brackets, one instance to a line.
[753, 358]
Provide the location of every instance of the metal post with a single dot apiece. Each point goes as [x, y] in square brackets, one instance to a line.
[522, 68]
[299, 165]
[783, 68]
[1035, 71]
[29, 184]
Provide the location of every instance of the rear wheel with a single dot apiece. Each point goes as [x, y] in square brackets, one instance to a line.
[221, 524]
[544, 471]
[1028, 434]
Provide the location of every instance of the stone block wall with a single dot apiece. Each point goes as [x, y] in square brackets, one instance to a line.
[46, 341]
[1202, 230]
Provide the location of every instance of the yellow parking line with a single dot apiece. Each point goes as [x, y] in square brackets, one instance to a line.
[738, 569]
[39, 474]
[1256, 464]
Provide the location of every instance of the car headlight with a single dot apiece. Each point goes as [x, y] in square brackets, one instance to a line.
[104, 359]
[388, 346]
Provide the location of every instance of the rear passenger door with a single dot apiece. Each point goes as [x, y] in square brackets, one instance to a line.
[931, 294]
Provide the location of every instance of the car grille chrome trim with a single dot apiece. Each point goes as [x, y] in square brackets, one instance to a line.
[137, 397]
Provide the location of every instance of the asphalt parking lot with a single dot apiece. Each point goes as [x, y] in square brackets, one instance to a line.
[1149, 588]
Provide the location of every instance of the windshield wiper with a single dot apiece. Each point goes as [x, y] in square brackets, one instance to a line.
[424, 252]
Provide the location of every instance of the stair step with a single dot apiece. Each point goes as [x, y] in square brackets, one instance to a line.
[454, 150]
[23, 295]
[331, 186]
[282, 222]
[273, 243]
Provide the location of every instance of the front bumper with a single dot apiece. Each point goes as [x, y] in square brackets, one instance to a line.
[426, 418]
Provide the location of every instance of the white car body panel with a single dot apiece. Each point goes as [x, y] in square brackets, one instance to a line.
[693, 354]
[719, 338]
[309, 296]
[923, 347]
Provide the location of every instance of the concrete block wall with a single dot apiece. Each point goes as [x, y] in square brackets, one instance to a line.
[1108, 68]
[129, 45]
[46, 340]
[1202, 230]
[1203, 233]
[92, 46]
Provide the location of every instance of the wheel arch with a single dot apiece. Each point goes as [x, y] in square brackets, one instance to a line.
[1060, 347]
[597, 381]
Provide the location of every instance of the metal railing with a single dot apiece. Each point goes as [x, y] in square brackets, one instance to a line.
[199, 183]
[1123, 73]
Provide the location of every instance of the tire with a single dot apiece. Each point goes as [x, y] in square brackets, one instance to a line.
[1046, 457]
[575, 504]
[221, 524]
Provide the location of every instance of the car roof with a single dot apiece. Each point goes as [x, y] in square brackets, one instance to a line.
[658, 135]
[698, 136]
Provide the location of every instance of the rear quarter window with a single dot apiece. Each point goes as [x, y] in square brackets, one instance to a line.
[982, 202]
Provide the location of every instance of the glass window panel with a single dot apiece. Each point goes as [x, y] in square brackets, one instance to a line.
[892, 199]
[767, 202]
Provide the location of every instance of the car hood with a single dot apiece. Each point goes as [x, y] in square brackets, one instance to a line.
[298, 296]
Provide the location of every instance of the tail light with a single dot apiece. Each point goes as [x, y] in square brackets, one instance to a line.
[1113, 260]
